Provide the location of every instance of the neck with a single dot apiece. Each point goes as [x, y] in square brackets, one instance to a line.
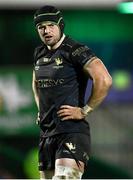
[57, 44]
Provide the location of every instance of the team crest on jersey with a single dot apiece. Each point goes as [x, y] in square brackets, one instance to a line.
[59, 62]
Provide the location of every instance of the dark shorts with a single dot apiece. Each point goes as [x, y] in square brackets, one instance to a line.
[75, 146]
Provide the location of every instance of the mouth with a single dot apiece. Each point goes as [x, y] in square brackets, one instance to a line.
[47, 38]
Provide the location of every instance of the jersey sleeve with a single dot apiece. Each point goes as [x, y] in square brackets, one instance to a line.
[81, 54]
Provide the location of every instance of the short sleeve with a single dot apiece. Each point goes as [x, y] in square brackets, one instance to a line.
[81, 54]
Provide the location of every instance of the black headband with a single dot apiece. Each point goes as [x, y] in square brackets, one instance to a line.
[53, 17]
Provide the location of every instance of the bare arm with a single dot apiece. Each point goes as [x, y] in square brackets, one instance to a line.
[102, 82]
[35, 91]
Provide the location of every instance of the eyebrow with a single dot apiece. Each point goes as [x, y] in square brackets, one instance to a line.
[43, 25]
[47, 23]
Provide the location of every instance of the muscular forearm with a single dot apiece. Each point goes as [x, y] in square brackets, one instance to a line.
[100, 90]
[102, 82]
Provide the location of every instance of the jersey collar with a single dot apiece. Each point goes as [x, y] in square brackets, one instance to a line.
[58, 43]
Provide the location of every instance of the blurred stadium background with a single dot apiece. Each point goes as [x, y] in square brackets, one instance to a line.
[107, 28]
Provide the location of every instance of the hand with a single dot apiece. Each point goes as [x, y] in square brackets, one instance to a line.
[67, 112]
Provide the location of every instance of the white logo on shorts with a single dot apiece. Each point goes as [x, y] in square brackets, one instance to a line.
[71, 146]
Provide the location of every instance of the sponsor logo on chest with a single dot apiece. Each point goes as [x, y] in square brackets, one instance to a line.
[49, 82]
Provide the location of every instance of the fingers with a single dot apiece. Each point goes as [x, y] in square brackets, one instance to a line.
[64, 112]
[65, 109]
[67, 112]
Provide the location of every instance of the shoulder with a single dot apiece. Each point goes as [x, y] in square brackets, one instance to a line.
[70, 43]
[75, 47]
[79, 53]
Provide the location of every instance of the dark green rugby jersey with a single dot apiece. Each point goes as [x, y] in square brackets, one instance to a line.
[61, 81]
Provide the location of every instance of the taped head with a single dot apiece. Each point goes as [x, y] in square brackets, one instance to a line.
[49, 13]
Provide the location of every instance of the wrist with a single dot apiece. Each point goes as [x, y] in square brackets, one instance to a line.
[86, 110]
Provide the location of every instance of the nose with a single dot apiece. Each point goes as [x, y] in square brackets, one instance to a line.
[46, 30]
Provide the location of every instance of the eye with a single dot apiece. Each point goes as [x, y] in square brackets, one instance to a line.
[40, 27]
